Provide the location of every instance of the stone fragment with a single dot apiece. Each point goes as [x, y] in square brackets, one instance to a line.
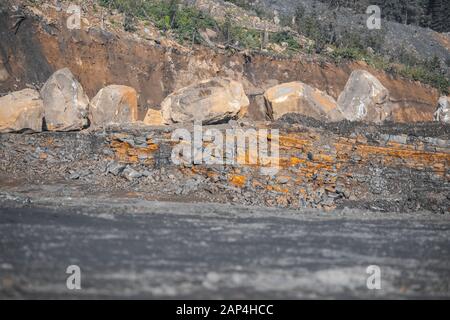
[113, 104]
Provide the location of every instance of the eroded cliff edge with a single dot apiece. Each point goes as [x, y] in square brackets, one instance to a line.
[381, 168]
[389, 167]
[41, 44]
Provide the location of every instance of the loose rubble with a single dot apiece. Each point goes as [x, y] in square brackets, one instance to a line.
[322, 165]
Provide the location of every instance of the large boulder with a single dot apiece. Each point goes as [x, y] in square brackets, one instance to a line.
[298, 97]
[364, 98]
[210, 101]
[65, 103]
[114, 104]
[21, 111]
[442, 113]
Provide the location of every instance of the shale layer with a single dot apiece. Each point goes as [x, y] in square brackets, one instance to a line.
[331, 166]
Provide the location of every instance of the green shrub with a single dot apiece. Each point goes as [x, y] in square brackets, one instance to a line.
[340, 54]
[425, 75]
[260, 12]
[406, 65]
[166, 15]
[185, 22]
[245, 38]
[286, 37]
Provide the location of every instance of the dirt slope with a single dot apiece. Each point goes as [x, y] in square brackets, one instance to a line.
[41, 44]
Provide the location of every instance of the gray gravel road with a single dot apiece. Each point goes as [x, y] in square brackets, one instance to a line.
[129, 248]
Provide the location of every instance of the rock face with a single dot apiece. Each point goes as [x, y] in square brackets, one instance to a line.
[153, 118]
[443, 110]
[65, 103]
[364, 98]
[21, 110]
[114, 104]
[36, 52]
[297, 97]
[258, 109]
[210, 101]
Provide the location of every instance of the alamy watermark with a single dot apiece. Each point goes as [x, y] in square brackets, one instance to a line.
[73, 281]
[236, 147]
[374, 279]
[74, 20]
[374, 20]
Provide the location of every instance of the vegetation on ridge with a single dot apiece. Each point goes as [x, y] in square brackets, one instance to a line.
[185, 22]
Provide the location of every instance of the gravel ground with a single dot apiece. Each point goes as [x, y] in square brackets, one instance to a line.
[129, 248]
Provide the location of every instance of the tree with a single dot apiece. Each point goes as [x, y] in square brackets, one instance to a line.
[426, 13]
[439, 12]
[173, 8]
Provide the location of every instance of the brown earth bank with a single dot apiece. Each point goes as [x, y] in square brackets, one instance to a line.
[33, 45]
[388, 167]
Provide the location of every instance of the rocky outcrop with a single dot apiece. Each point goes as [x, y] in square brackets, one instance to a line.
[20, 111]
[443, 110]
[388, 167]
[298, 97]
[210, 101]
[114, 104]
[65, 103]
[153, 118]
[109, 55]
[364, 98]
